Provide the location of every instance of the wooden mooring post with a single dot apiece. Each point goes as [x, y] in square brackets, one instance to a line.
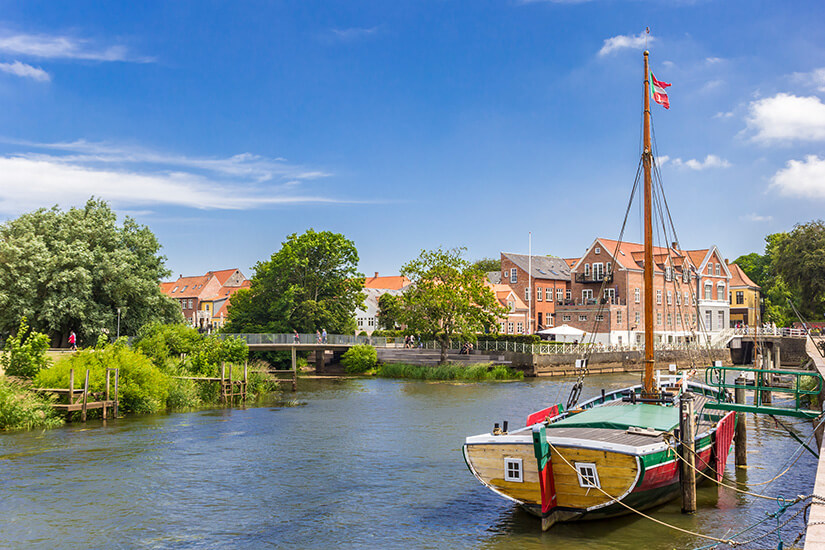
[688, 473]
[740, 436]
[295, 369]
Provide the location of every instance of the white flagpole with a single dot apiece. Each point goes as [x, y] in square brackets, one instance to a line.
[529, 282]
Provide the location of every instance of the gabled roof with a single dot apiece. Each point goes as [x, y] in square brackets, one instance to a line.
[394, 282]
[166, 288]
[740, 279]
[543, 267]
[494, 277]
[701, 256]
[571, 262]
[188, 287]
[505, 294]
[224, 274]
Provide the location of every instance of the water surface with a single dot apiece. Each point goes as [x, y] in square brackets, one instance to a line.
[362, 463]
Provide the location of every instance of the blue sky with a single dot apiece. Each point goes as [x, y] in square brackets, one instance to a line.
[226, 126]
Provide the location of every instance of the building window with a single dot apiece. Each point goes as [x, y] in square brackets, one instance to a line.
[721, 320]
[708, 320]
[638, 318]
[740, 297]
[184, 288]
[659, 296]
[708, 291]
[658, 317]
[538, 294]
[669, 319]
[678, 298]
[619, 317]
[548, 294]
[501, 327]
[598, 271]
[539, 318]
[511, 305]
[597, 250]
[668, 273]
[599, 318]
[512, 470]
[566, 317]
[513, 275]
[190, 303]
[175, 289]
[636, 295]
[587, 294]
[685, 273]
[582, 318]
[559, 294]
[568, 294]
[718, 269]
[520, 327]
[609, 268]
[370, 321]
[510, 327]
[527, 294]
[586, 271]
[610, 295]
[720, 292]
[669, 297]
[710, 269]
[588, 476]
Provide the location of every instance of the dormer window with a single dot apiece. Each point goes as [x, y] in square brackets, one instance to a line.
[175, 289]
[597, 250]
[184, 288]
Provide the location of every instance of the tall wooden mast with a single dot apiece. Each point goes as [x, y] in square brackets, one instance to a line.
[647, 161]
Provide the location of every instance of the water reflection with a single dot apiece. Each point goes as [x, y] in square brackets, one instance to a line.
[363, 463]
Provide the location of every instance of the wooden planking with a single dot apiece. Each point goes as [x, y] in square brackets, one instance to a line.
[488, 462]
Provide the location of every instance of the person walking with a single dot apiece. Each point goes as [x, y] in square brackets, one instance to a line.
[318, 336]
[73, 341]
[296, 338]
[324, 335]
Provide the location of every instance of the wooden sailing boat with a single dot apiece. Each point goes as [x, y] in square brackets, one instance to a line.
[617, 452]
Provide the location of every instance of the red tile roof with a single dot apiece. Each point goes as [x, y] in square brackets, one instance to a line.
[223, 275]
[396, 282]
[740, 278]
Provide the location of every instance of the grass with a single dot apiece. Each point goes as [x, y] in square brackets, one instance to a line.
[477, 373]
[23, 409]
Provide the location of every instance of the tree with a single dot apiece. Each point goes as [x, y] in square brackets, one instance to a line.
[389, 311]
[309, 284]
[799, 258]
[485, 265]
[447, 298]
[71, 270]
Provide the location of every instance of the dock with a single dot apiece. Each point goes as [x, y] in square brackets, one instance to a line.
[815, 533]
[82, 400]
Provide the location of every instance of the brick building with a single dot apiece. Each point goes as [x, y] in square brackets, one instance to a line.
[607, 293]
[204, 299]
[550, 277]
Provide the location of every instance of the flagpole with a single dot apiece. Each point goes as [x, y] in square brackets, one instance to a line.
[529, 282]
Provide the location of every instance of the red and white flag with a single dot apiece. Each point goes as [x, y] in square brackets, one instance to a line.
[657, 91]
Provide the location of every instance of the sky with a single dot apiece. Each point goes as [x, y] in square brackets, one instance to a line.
[409, 125]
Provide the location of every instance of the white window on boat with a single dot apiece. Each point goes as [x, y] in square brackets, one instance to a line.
[512, 470]
[588, 476]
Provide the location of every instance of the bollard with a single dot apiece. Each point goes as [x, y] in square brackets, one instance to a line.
[740, 436]
[688, 474]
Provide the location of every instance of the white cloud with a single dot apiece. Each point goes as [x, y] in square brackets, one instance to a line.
[25, 71]
[27, 183]
[713, 60]
[801, 178]
[720, 114]
[711, 85]
[786, 117]
[755, 218]
[711, 161]
[354, 33]
[622, 42]
[815, 79]
[63, 47]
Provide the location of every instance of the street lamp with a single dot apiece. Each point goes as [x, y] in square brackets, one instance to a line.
[118, 324]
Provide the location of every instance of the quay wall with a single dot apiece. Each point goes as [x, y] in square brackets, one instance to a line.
[607, 362]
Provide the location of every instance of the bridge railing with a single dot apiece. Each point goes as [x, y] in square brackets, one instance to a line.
[770, 331]
[542, 348]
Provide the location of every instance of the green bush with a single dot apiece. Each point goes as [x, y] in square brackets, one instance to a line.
[22, 409]
[24, 354]
[477, 372]
[143, 387]
[211, 352]
[162, 342]
[184, 394]
[359, 358]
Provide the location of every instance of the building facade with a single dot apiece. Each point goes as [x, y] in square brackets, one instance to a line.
[745, 299]
[549, 278]
[204, 299]
[366, 318]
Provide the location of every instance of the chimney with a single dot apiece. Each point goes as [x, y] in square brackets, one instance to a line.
[727, 262]
[675, 245]
[376, 274]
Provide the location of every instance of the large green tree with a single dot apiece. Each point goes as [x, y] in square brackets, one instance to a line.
[389, 311]
[311, 283]
[71, 270]
[799, 259]
[447, 298]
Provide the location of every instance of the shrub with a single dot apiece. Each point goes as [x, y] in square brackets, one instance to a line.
[22, 409]
[477, 372]
[160, 342]
[183, 394]
[24, 354]
[359, 358]
[143, 387]
[211, 352]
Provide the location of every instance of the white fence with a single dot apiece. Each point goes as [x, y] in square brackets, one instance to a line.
[543, 348]
[769, 331]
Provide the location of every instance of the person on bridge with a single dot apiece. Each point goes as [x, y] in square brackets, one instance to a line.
[318, 335]
[324, 335]
[297, 338]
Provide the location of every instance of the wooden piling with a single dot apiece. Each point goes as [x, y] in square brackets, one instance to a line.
[688, 473]
[71, 386]
[117, 398]
[740, 436]
[295, 369]
[223, 381]
[767, 396]
[231, 386]
[85, 397]
[106, 394]
[245, 378]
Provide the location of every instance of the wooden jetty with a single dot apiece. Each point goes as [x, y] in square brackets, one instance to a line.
[230, 389]
[82, 400]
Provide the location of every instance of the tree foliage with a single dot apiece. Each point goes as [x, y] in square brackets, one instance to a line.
[24, 353]
[359, 358]
[71, 270]
[485, 265]
[311, 283]
[389, 311]
[799, 259]
[447, 298]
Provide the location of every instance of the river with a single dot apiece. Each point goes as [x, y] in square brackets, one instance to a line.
[364, 463]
